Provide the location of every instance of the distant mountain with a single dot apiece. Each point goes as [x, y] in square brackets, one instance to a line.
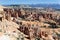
[14, 6]
[55, 6]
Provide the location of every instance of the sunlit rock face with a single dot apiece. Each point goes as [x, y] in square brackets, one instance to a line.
[8, 31]
[1, 8]
[5, 37]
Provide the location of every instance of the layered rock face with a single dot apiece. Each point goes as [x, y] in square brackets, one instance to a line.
[35, 23]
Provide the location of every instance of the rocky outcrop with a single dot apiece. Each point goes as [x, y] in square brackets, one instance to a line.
[35, 23]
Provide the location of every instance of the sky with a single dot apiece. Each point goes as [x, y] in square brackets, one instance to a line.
[8, 2]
